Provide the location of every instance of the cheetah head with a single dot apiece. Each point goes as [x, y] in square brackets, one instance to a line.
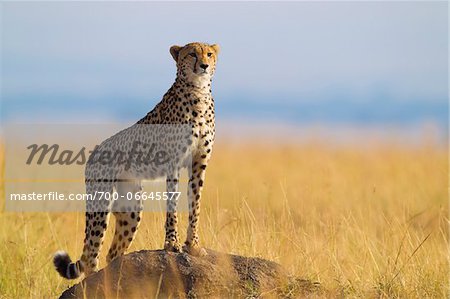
[196, 62]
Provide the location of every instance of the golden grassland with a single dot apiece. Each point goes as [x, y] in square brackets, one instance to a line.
[363, 221]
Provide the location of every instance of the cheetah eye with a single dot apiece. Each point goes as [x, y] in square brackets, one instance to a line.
[209, 54]
[193, 55]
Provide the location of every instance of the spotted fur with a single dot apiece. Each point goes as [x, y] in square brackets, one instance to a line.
[187, 102]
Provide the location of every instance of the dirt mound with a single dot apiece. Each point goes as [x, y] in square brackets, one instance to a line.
[157, 273]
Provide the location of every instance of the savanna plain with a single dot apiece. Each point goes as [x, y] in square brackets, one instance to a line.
[365, 221]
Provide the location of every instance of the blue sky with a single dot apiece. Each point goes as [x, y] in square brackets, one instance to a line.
[295, 62]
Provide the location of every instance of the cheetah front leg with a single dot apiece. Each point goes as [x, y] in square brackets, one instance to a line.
[195, 188]
[171, 242]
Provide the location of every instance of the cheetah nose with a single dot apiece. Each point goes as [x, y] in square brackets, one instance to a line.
[204, 66]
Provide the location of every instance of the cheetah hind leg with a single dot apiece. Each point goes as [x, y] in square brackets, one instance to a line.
[97, 218]
[127, 224]
[128, 215]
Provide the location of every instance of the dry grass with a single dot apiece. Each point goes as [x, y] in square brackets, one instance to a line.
[366, 222]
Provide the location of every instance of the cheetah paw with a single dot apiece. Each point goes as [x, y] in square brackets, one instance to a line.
[195, 250]
[172, 247]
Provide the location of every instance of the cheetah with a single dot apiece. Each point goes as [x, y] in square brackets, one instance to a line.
[188, 102]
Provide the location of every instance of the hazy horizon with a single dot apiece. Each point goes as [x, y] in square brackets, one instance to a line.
[298, 64]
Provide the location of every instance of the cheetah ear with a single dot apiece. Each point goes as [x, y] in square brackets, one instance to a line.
[216, 48]
[174, 51]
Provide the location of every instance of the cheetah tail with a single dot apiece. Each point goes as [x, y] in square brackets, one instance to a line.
[65, 267]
